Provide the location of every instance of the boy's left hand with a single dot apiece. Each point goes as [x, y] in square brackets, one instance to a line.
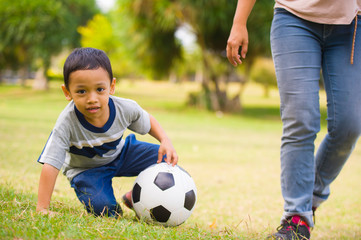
[166, 148]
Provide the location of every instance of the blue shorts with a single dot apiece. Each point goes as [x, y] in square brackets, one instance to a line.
[94, 188]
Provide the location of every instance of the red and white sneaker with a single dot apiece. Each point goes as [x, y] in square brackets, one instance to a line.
[293, 228]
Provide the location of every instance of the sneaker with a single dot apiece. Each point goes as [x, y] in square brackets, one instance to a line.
[293, 229]
[127, 199]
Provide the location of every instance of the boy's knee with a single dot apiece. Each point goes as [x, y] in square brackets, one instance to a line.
[103, 208]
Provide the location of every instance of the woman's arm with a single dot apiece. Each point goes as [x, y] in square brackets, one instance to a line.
[239, 34]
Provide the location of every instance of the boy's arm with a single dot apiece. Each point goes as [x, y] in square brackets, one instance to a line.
[46, 186]
[166, 146]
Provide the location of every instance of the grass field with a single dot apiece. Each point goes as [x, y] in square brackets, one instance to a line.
[234, 160]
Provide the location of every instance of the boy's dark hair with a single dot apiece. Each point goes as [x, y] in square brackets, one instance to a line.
[86, 59]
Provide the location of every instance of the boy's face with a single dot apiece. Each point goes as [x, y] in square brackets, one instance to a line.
[90, 90]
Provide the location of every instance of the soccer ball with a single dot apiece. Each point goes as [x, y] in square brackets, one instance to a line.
[164, 194]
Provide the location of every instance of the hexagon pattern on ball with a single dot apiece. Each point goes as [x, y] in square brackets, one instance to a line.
[160, 214]
[164, 180]
[164, 194]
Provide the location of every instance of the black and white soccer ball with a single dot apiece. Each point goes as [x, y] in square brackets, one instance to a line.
[164, 194]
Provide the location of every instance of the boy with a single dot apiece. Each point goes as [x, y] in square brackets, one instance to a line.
[87, 138]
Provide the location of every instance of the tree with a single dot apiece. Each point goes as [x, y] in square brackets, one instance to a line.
[152, 28]
[32, 31]
[99, 33]
[212, 26]
[263, 72]
[155, 22]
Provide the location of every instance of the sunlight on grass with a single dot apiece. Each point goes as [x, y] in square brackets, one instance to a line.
[233, 158]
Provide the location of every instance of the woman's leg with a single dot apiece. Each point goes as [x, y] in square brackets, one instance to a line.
[343, 87]
[297, 54]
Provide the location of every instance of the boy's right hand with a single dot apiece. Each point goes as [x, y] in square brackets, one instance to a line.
[46, 186]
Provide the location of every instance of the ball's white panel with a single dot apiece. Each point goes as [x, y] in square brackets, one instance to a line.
[178, 217]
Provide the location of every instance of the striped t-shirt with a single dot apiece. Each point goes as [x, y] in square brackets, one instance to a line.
[75, 145]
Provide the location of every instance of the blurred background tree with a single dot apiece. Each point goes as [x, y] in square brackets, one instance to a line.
[99, 33]
[32, 31]
[153, 29]
[263, 72]
[151, 34]
[140, 38]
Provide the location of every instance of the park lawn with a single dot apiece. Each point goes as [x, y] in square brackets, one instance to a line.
[233, 158]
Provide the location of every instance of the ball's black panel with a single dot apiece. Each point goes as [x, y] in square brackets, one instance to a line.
[136, 193]
[190, 200]
[160, 214]
[164, 180]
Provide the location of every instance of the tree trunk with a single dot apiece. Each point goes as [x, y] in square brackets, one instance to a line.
[173, 77]
[40, 82]
[266, 90]
[22, 76]
[215, 97]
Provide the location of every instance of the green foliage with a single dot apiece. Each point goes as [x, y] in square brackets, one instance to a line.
[23, 25]
[33, 30]
[189, 66]
[212, 25]
[152, 32]
[146, 32]
[78, 14]
[99, 33]
[259, 26]
[263, 72]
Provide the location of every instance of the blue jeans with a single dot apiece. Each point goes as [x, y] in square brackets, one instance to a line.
[93, 187]
[300, 50]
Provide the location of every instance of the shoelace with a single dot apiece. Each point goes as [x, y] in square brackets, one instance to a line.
[286, 227]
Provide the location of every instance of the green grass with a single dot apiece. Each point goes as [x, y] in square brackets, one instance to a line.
[233, 158]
